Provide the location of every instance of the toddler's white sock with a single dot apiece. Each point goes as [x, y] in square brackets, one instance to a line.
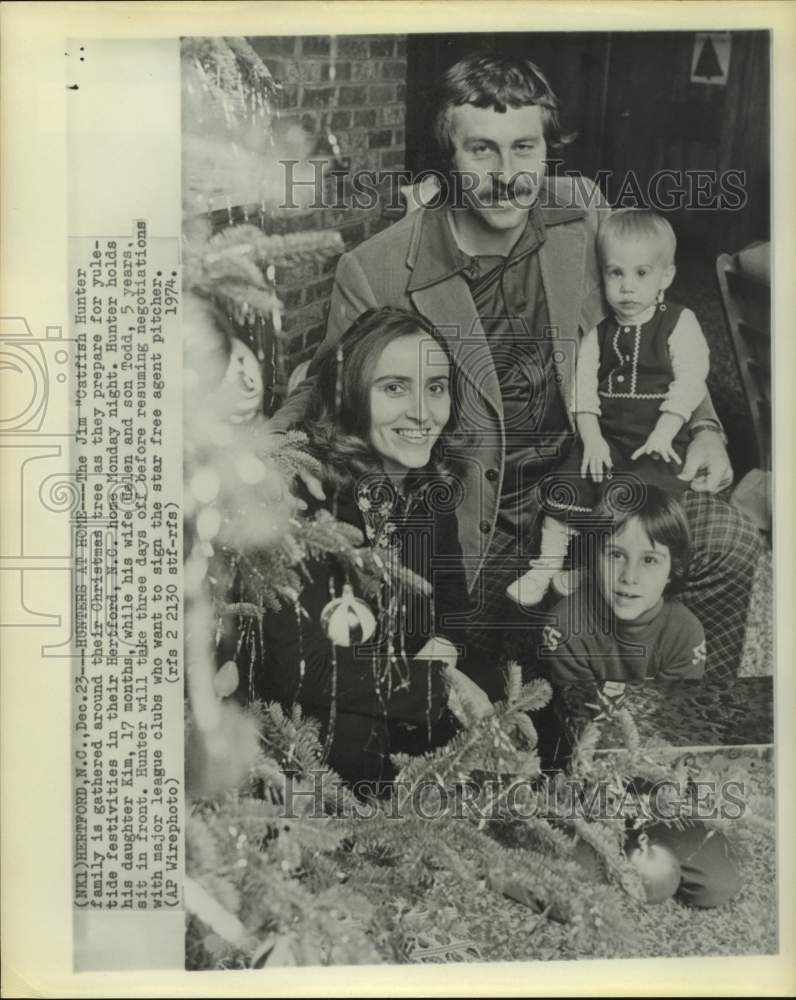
[532, 586]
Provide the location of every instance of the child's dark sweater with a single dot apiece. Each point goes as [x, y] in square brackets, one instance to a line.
[588, 643]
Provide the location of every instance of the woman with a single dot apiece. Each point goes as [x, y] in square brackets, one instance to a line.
[379, 411]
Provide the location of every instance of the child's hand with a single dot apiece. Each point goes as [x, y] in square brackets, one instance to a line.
[660, 441]
[596, 458]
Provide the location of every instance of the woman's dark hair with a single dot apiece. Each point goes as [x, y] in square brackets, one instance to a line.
[491, 80]
[339, 428]
[661, 517]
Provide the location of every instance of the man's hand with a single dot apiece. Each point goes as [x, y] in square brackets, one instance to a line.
[660, 440]
[466, 699]
[596, 458]
[707, 465]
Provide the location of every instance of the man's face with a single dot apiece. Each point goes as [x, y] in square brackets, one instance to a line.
[505, 153]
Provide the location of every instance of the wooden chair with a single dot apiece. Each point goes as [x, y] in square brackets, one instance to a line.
[745, 284]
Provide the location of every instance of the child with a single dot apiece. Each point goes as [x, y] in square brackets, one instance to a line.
[640, 375]
[620, 626]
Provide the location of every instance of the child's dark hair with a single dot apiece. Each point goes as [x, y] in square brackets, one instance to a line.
[662, 518]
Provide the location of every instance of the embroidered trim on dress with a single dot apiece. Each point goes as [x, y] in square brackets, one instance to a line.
[636, 349]
[632, 395]
[568, 506]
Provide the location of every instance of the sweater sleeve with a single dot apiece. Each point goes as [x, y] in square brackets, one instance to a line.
[585, 398]
[683, 649]
[448, 578]
[690, 359]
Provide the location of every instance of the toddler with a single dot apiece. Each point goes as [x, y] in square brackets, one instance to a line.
[641, 373]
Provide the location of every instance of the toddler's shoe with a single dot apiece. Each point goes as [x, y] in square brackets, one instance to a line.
[531, 587]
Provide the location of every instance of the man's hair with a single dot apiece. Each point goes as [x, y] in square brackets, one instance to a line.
[490, 80]
[660, 515]
[635, 224]
[338, 415]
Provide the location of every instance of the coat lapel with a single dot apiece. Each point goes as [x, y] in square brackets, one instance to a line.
[561, 262]
[449, 306]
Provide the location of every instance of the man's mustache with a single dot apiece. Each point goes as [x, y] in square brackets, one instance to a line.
[496, 189]
[515, 189]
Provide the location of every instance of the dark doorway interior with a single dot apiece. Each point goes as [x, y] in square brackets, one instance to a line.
[630, 101]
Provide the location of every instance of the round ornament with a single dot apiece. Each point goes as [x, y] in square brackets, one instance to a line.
[659, 869]
[205, 484]
[347, 620]
[226, 679]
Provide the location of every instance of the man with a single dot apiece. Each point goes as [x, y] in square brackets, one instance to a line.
[506, 267]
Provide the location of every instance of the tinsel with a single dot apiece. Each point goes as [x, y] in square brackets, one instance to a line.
[236, 266]
[225, 78]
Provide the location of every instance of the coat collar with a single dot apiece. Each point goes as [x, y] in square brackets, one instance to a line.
[435, 256]
[440, 292]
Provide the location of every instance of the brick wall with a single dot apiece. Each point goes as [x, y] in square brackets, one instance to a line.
[354, 87]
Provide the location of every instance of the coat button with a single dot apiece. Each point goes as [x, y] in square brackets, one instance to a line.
[625, 329]
[620, 378]
[485, 527]
[491, 475]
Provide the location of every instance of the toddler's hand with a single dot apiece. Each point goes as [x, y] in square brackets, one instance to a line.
[596, 458]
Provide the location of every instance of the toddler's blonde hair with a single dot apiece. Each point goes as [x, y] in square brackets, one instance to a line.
[638, 223]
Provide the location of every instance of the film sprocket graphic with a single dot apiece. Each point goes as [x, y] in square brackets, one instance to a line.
[36, 540]
[51, 525]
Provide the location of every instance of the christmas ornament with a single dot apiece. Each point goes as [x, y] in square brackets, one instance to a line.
[218, 760]
[347, 620]
[249, 468]
[241, 390]
[659, 869]
[205, 484]
[207, 523]
[226, 680]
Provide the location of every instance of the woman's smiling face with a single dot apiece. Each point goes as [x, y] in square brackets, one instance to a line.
[410, 401]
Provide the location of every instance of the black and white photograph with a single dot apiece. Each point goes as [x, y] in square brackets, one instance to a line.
[395, 476]
[478, 509]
